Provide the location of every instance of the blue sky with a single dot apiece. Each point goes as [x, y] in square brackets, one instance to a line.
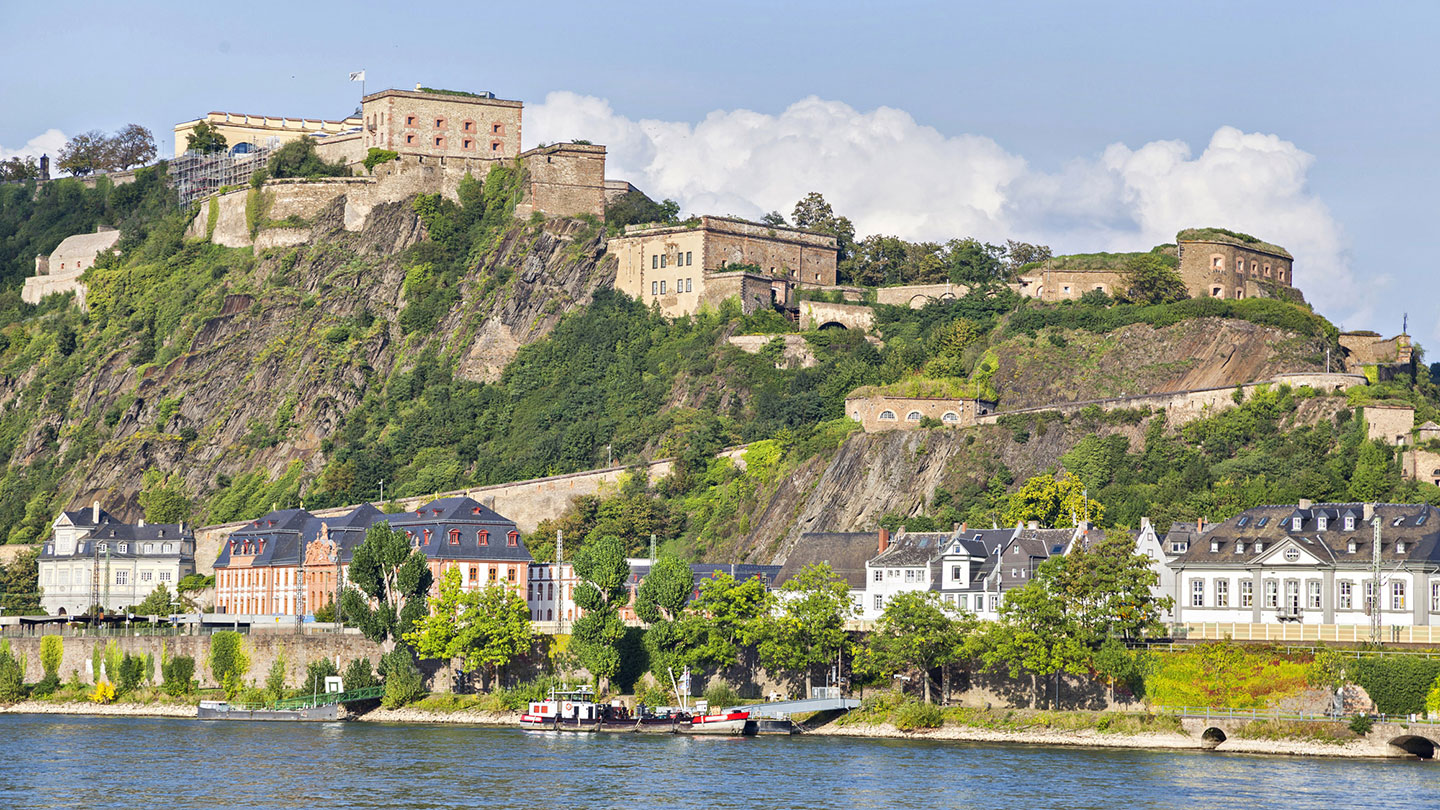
[1088, 126]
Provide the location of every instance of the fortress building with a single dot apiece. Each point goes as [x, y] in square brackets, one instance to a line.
[251, 133]
[1213, 262]
[703, 262]
[60, 271]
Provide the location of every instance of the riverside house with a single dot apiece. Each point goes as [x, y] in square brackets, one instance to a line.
[92, 557]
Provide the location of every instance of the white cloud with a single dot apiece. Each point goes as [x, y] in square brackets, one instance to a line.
[892, 175]
[48, 142]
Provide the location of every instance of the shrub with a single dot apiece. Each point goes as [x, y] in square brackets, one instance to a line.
[721, 695]
[1361, 723]
[403, 682]
[1398, 684]
[228, 661]
[104, 693]
[358, 675]
[52, 650]
[46, 686]
[913, 716]
[12, 676]
[315, 675]
[131, 672]
[376, 156]
[275, 680]
[179, 674]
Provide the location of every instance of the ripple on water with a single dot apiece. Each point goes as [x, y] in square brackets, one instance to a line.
[49, 761]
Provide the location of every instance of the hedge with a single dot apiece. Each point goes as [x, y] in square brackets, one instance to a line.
[1397, 684]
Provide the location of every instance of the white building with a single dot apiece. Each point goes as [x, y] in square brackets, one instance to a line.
[1311, 564]
[132, 560]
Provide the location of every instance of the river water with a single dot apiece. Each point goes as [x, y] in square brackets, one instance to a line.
[49, 761]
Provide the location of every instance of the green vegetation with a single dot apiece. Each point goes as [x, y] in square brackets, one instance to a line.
[388, 583]
[635, 208]
[483, 629]
[1399, 684]
[1228, 676]
[298, 158]
[375, 156]
[228, 661]
[204, 139]
[1232, 237]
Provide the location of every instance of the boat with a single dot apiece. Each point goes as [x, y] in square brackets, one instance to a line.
[565, 710]
[728, 723]
[222, 710]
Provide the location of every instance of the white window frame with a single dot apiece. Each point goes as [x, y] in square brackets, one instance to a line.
[1197, 593]
[879, 576]
[1272, 594]
[1222, 593]
[1247, 594]
[1349, 523]
[1313, 594]
[879, 602]
[1345, 595]
[1397, 595]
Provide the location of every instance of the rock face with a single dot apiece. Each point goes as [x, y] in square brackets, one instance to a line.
[264, 381]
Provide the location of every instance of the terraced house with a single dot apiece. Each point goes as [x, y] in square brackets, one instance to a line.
[292, 562]
[1311, 564]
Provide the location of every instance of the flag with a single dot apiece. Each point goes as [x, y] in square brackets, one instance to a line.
[358, 76]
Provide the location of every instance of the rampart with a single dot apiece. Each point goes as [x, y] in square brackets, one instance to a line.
[883, 412]
[917, 296]
[525, 502]
[1188, 405]
[565, 177]
[821, 314]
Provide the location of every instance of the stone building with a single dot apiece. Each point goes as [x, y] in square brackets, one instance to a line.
[1222, 264]
[876, 411]
[684, 267]
[565, 179]
[1392, 424]
[60, 271]
[442, 124]
[249, 133]
[291, 562]
[91, 556]
[1312, 563]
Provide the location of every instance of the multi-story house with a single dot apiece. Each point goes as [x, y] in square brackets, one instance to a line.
[1311, 564]
[92, 557]
[292, 562]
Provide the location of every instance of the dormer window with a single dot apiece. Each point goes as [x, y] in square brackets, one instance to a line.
[1400, 547]
[1259, 546]
[1350, 547]
[454, 537]
[475, 510]
[103, 547]
[484, 537]
[124, 548]
[1321, 523]
[1349, 523]
[1240, 547]
[512, 539]
[1295, 524]
[427, 536]
[1214, 546]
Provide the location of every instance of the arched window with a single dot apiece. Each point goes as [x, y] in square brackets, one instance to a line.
[483, 537]
[512, 539]
[913, 416]
[1254, 268]
[887, 416]
[950, 418]
[549, 614]
[454, 537]
[1267, 271]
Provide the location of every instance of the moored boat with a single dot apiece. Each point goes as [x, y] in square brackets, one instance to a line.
[565, 710]
[732, 723]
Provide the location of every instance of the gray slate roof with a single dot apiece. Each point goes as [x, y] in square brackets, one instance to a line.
[1417, 526]
[846, 552]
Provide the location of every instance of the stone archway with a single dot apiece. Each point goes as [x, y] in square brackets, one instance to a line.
[1413, 745]
[832, 325]
[1211, 738]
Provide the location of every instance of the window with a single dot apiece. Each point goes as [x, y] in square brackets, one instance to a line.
[1267, 271]
[689, 258]
[1295, 524]
[1215, 292]
[913, 416]
[1239, 265]
[146, 576]
[963, 601]
[1369, 596]
[439, 123]
[1350, 547]
[1247, 594]
[512, 539]
[497, 129]
[440, 140]
[483, 537]
[1222, 593]
[1239, 293]
[662, 283]
[979, 601]
[494, 146]
[409, 120]
[664, 259]
[950, 418]
[468, 126]
[1321, 523]
[1254, 268]
[1400, 547]
[1272, 593]
[409, 139]
[124, 548]
[1312, 594]
[655, 262]
[454, 537]
[879, 602]
[955, 572]
[494, 574]
[467, 144]
[885, 416]
[654, 288]
[1397, 596]
[1240, 547]
[1349, 523]
[149, 548]
[688, 287]
[1067, 290]
[879, 575]
[1435, 597]
[122, 577]
[909, 575]
[1217, 263]
[1214, 546]
[1197, 593]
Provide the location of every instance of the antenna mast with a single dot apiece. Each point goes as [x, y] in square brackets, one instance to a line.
[1375, 603]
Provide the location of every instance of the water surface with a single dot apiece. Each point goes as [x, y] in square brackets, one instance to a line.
[52, 761]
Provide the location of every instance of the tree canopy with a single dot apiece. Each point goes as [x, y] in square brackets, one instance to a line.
[806, 628]
[205, 139]
[1148, 278]
[483, 629]
[603, 572]
[391, 582]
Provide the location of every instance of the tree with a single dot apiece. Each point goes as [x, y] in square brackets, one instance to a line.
[718, 621]
[973, 262]
[1034, 635]
[228, 661]
[1147, 279]
[917, 632]
[85, 153]
[52, 652]
[1052, 501]
[158, 603]
[19, 169]
[131, 146]
[664, 591]
[164, 498]
[20, 585]
[603, 572]
[815, 214]
[12, 675]
[774, 218]
[1107, 589]
[1372, 479]
[635, 208]
[358, 675]
[403, 682]
[298, 158]
[179, 674]
[205, 139]
[806, 628]
[485, 629]
[396, 580]
[1019, 254]
[275, 680]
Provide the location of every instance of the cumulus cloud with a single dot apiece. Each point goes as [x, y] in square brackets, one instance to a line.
[48, 142]
[891, 174]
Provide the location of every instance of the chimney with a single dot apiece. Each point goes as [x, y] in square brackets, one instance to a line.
[962, 527]
[1144, 523]
[1200, 524]
[1369, 512]
[1034, 524]
[95, 512]
[141, 524]
[1306, 503]
[884, 540]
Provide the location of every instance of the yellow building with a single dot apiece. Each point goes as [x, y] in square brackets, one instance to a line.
[261, 131]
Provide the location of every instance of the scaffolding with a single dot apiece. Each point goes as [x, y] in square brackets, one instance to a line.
[197, 176]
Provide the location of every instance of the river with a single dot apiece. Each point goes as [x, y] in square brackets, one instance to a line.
[52, 761]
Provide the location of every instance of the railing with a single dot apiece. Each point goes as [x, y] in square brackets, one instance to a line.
[1211, 713]
[324, 699]
[1348, 652]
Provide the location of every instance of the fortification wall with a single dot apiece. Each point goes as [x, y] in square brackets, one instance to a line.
[1221, 270]
[881, 412]
[917, 296]
[566, 179]
[349, 149]
[816, 314]
[796, 354]
[1186, 406]
[1389, 423]
[37, 287]
[754, 292]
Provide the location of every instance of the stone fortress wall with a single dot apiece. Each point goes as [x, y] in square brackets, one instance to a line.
[1225, 269]
[60, 271]
[883, 412]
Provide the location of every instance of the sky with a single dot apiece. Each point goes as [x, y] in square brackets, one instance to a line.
[1084, 126]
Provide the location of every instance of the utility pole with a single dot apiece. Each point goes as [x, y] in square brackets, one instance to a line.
[1375, 606]
[559, 584]
[652, 549]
